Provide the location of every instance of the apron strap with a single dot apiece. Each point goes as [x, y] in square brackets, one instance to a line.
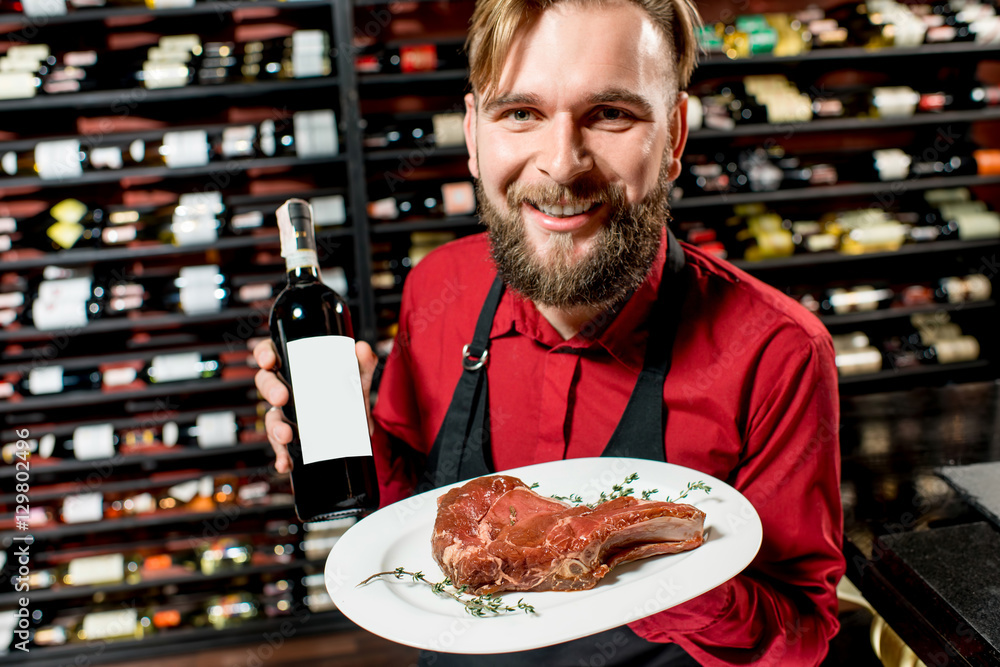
[462, 447]
[639, 434]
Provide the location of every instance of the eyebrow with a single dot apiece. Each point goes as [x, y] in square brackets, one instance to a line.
[511, 99]
[608, 96]
[620, 95]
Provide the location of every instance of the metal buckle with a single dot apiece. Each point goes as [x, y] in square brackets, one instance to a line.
[474, 365]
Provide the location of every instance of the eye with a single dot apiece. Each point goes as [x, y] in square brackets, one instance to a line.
[520, 114]
[609, 113]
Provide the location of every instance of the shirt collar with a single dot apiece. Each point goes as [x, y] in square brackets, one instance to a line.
[620, 332]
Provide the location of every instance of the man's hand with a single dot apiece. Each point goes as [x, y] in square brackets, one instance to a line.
[275, 392]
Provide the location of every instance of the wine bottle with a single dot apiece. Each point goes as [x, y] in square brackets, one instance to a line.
[208, 431]
[196, 290]
[180, 367]
[74, 301]
[68, 224]
[333, 471]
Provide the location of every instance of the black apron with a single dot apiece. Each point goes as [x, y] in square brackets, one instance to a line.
[462, 451]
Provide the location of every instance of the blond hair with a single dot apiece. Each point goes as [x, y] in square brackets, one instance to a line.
[495, 23]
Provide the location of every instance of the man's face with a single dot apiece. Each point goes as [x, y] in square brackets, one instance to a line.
[574, 151]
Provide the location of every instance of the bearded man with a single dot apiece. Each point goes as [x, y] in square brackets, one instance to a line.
[578, 326]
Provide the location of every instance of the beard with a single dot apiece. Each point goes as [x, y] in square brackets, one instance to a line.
[617, 263]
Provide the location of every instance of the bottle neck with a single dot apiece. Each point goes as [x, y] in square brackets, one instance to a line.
[304, 274]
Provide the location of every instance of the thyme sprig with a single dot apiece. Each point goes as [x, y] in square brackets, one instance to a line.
[692, 486]
[480, 606]
[623, 489]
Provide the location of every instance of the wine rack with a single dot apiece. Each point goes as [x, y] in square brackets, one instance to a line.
[144, 407]
[366, 104]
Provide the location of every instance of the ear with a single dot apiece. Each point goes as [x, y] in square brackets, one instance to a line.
[470, 133]
[678, 134]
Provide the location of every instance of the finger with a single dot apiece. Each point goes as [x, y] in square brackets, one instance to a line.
[279, 434]
[367, 361]
[266, 354]
[271, 388]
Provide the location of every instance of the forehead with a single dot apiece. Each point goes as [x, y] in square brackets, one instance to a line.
[583, 46]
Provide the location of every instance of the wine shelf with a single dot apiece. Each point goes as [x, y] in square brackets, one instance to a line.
[145, 461]
[851, 319]
[79, 257]
[342, 92]
[123, 137]
[147, 323]
[846, 54]
[15, 22]
[82, 592]
[42, 495]
[119, 423]
[128, 98]
[300, 623]
[424, 224]
[944, 372]
[846, 124]
[818, 259]
[414, 77]
[73, 363]
[891, 188]
[76, 399]
[224, 169]
[416, 151]
[158, 519]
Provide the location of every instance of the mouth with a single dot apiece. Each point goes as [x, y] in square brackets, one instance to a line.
[566, 210]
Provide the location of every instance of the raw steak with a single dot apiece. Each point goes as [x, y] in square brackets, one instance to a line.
[496, 534]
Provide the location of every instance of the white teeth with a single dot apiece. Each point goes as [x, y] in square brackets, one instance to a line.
[558, 211]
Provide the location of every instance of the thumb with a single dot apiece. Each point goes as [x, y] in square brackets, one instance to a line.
[367, 360]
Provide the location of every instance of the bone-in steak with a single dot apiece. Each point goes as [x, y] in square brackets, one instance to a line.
[496, 534]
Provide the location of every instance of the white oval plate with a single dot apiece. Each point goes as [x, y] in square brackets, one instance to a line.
[409, 613]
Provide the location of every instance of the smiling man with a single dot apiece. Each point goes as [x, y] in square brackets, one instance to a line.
[578, 326]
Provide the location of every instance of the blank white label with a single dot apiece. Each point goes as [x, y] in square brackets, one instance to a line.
[83, 507]
[216, 429]
[201, 202]
[328, 210]
[47, 380]
[329, 404]
[185, 491]
[96, 441]
[173, 367]
[44, 7]
[58, 159]
[194, 229]
[15, 86]
[199, 287]
[65, 289]
[186, 149]
[58, 314]
[109, 157]
[108, 624]
[105, 569]
[315, 133]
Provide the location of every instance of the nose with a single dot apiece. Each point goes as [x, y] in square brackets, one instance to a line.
[562, 153]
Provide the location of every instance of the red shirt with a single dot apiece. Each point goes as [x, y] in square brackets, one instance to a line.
[752, 399]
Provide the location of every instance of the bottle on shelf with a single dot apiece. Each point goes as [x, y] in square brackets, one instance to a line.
[932, 339]
[333, 470]
[855, 355]
[51, 379]
[410, 58]
[67, 224]
[65, 299]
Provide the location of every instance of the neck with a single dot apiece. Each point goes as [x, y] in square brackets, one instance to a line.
[303, 274]
[569, 321]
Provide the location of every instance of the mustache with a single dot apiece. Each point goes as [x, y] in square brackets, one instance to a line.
[580, 191]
